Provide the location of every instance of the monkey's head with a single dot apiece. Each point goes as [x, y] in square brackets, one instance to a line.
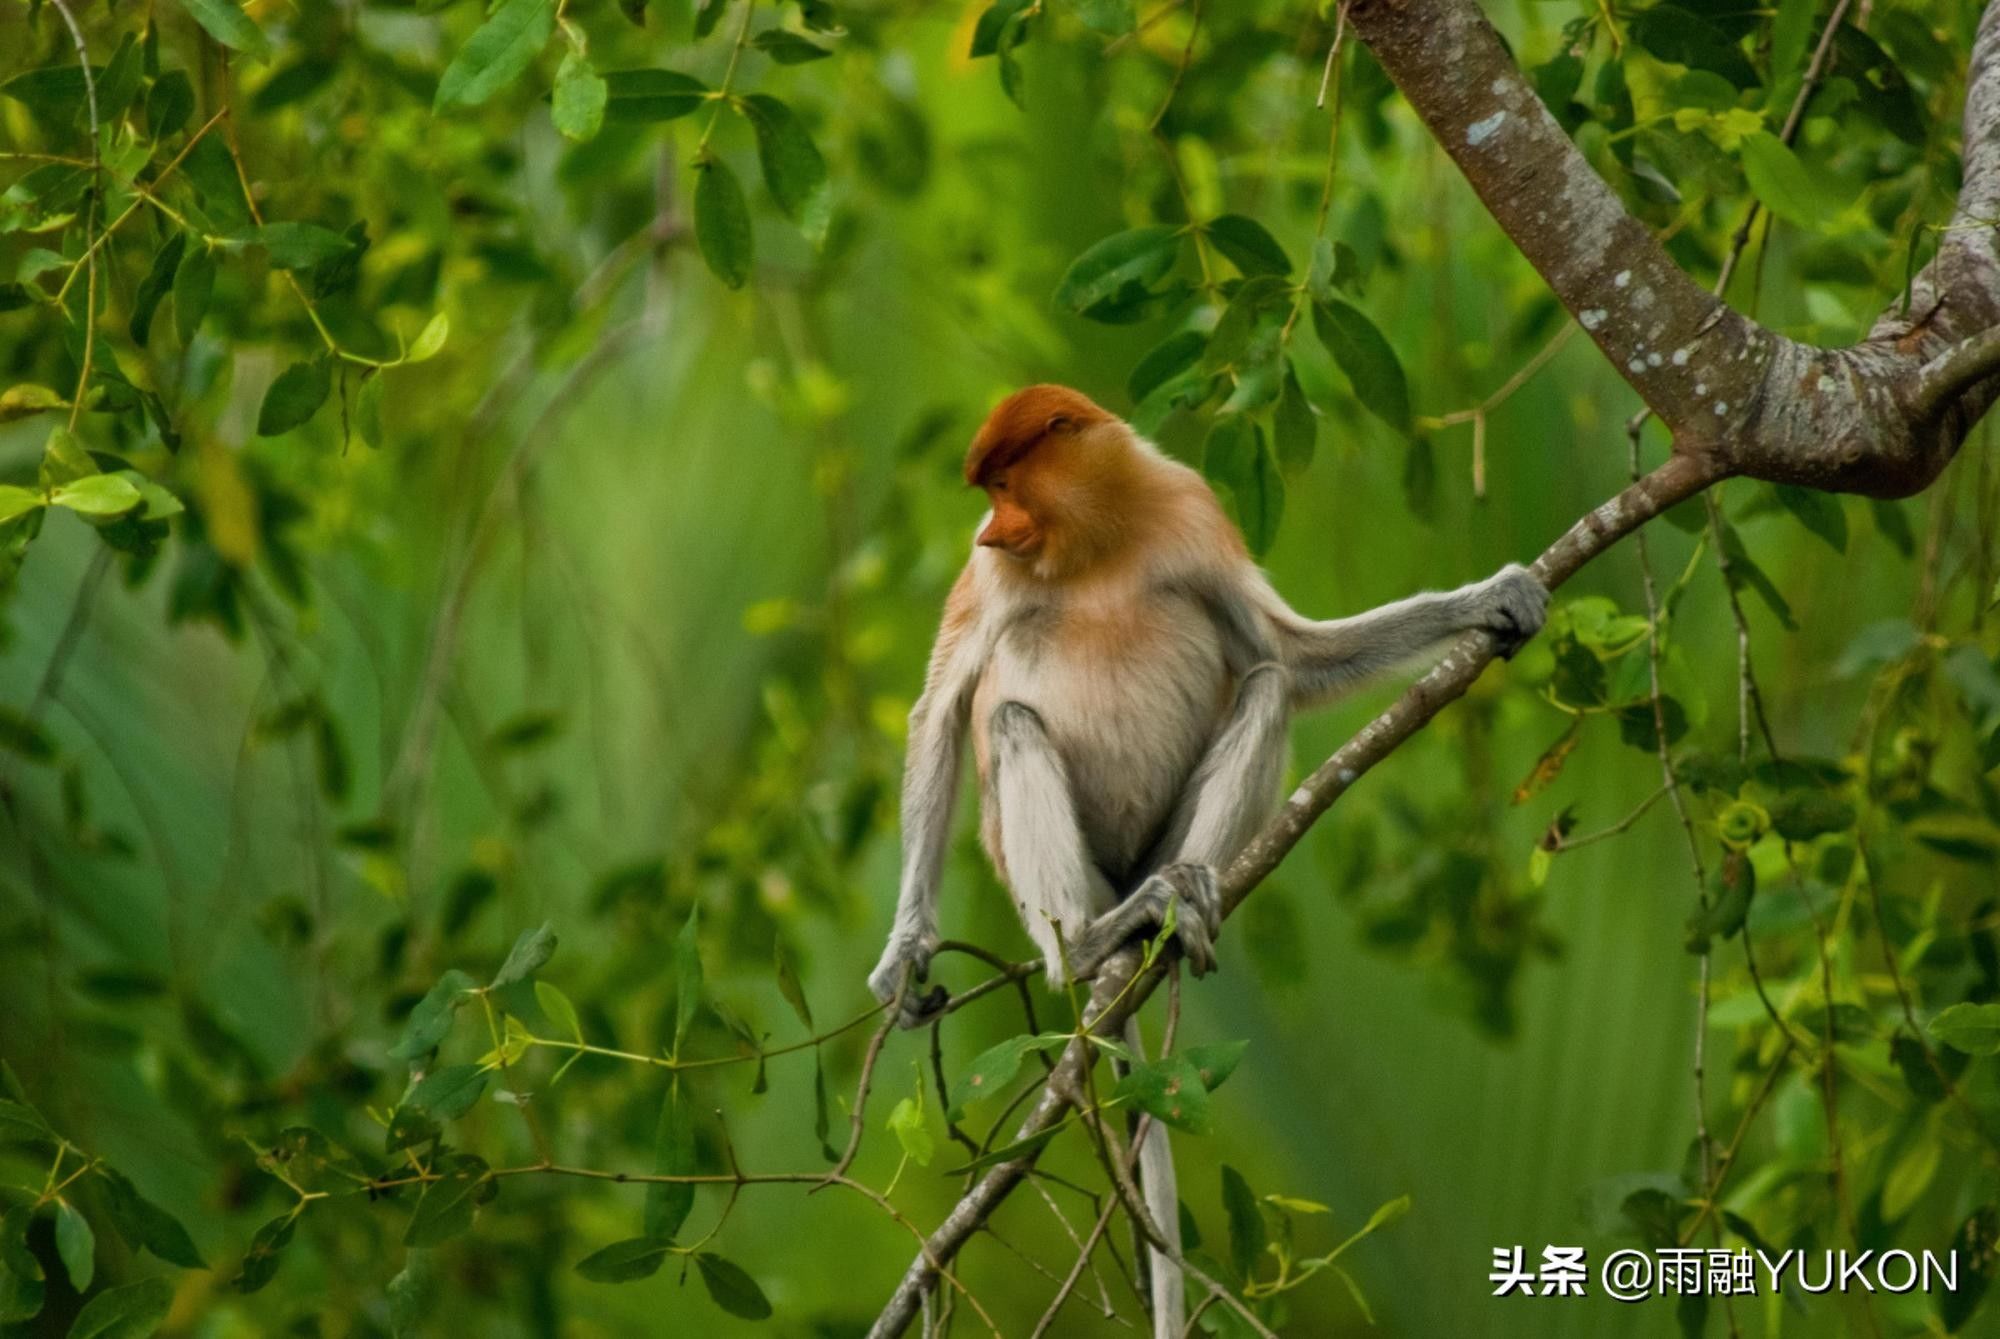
[1058, 469]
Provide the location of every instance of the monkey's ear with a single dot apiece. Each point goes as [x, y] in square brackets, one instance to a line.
[1059, 423]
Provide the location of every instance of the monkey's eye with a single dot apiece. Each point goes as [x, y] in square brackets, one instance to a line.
[999, 484]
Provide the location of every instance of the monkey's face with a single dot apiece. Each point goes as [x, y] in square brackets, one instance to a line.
[1013, 528]
[1050, 462]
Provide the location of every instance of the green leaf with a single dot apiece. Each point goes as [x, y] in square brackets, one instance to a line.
[1971, 1028]
[687, 975]
[986, 32]
[430, 340]
[17, 501]
[76, 1246]
[1216, 1061]
[431, 1020]
[1371, 365]
[1236, 457]
[1791, 33]
[822, 1108]
[1247, 1232]
[63, 459]
[368, 409]
[1111, 18]
[159, 279]
[625, 1261]
[643, 96]
[1973, 1241]
[581, 93]
[1910, 1176]
[1165, 361]
[906, 1122]
[496, 53]
[169, 104]
[1801, 815]
[294, 246]
[531, 950]
[1246, 335]
[1919, 1066]
[558, 1008]
[142, 1223]
[1119, 269]
[120, 80]
[1012, 33]
[57, 93]
[990, 1072]
[1294, 428]
[1783, 184]
[1248, 245]
[668, 1203]
[788, 983]
[733, 1290]
[1260, 499]
[225, 21]
[294, 396]
[447, 1205]
[1744, 571]
[1171, 1088]
[793, 168]
[1679, 37]
[1730, 891]
[131, 1312]
[722, 223]
[260, 1261]
[448, 1093]
[19, 1121]
[21, 1298]
[27, 400]
[787, 47]
[194, 284]
[97, 495]
[313, 1162]
[409, 1127]
[1819, 512]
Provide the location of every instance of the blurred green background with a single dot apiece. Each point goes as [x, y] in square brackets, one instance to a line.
[622, 612]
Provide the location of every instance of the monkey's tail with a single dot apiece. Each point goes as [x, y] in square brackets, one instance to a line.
[1163, 1205]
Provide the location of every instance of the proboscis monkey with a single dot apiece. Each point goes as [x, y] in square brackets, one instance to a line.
[1126, 674]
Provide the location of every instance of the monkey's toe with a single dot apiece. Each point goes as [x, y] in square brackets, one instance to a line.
[918, 1010]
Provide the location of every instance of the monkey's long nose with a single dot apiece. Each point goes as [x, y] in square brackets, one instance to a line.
[989, 534]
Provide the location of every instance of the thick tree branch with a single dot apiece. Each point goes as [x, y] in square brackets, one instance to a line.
[1863, 419]
[1881, 418]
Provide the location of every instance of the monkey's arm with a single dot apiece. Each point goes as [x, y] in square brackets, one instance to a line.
[1328, 658]
[931, 770]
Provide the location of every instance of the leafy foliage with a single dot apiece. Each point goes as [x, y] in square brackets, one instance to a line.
[365, 368]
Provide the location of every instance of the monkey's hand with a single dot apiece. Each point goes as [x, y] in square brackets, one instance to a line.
[908, 957]
[1513, 603]
[1189, 888]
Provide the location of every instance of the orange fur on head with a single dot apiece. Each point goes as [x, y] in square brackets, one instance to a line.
[1058, 470]
[1018, 424]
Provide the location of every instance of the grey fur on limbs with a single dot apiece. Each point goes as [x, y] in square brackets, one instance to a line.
[1076, 912]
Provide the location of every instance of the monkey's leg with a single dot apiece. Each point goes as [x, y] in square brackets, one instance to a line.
[1057, 888]
[1228, 798]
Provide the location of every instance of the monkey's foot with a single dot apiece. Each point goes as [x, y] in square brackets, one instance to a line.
[1516, 603]
[911, 959]
[1189, 888]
